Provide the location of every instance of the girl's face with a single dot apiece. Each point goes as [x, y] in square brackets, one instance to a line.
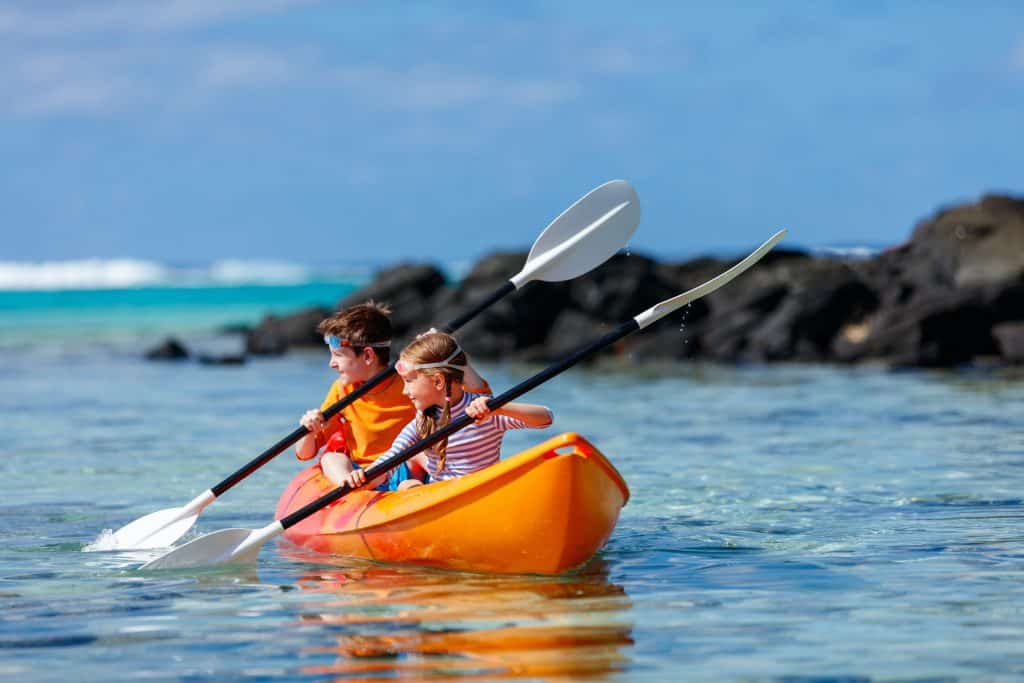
[422, 389]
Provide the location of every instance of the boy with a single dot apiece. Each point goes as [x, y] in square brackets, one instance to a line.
[360, 345]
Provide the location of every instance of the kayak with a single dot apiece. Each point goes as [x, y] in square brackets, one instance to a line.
[546, 510]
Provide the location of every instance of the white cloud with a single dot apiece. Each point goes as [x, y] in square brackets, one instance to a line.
[617, 60]
[112, 57]
[31, 20]
[436, 88]
[51, 62]
[84, 97]
[100, 81]
[1016, 60]
[51, 82]
[244, 66]
[107, 80]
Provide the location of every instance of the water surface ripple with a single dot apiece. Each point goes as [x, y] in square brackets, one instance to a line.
[787, 523]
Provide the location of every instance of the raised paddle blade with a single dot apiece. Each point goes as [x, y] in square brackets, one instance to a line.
[659, 311]
[158, 529]
[584, 236]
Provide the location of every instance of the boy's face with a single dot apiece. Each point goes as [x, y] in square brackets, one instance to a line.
[353, 367]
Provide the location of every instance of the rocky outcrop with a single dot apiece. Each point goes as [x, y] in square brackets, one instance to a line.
[952, 294]
[1010, 338]
[942, 294]
[221, 358]
[408, 289]
[168, 349]
[276, 334]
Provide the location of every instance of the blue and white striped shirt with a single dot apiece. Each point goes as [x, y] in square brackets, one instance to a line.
[469, 449]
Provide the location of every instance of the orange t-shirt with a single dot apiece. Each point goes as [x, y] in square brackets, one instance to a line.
[372, 422]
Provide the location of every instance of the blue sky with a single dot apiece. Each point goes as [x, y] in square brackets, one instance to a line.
[193, 130]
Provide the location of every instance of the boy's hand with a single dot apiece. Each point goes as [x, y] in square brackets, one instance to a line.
[312, 420]
[478, 410]
[355, 479]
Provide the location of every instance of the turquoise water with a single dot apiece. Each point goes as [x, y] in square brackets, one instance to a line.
[786, 523]
[47, 319]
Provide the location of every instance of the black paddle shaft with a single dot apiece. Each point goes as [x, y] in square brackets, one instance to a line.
[347, 400]
[494, 403]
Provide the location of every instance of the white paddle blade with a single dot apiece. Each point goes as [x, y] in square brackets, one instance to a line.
[228, 546]
[162, 528]
[158, 529]
[659, 311]
[212, 548]
[584, 236]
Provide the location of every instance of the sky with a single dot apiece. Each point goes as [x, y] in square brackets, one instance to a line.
[187, 131]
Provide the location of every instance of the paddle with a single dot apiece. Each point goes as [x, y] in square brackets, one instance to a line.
[243, 545]
[583, 237]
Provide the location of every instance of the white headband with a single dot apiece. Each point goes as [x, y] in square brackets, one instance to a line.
[403, 367]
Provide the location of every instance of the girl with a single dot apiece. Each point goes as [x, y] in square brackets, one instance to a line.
[432, 369]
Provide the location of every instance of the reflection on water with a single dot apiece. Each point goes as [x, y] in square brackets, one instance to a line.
[787, 523]
[410, 623]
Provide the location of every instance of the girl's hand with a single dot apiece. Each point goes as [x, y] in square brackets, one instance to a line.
[355, 478]
[312, 420]
[478, 409]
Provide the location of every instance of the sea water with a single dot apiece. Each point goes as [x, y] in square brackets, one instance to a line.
[786, 523]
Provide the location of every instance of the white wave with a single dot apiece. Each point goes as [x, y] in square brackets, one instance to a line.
[86, 274]
[237, 272]
[851, 252]
[138, 273]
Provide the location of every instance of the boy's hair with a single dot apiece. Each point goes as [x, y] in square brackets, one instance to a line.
[435, 347]
[361, 325]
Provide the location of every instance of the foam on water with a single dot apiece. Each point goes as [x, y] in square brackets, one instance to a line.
[90, 274]
[86, 274]
[850, 252]
[104, 541]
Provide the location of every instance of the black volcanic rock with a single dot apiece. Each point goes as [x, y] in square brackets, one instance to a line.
[571, 330]
[221, 358]
[275, 335]
[941, 329]
[941, 293]
[1010, 338]
[974, 245]
[521, 320]
[953, 293]
[620, 288]
[408, 289]
[820, 299]
[169, 349]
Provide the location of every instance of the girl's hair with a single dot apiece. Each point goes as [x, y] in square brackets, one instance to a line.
[435, 347]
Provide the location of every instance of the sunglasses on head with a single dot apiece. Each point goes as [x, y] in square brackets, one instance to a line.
[335, 342]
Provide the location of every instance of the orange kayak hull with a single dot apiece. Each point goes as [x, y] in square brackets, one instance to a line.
[547, 510]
